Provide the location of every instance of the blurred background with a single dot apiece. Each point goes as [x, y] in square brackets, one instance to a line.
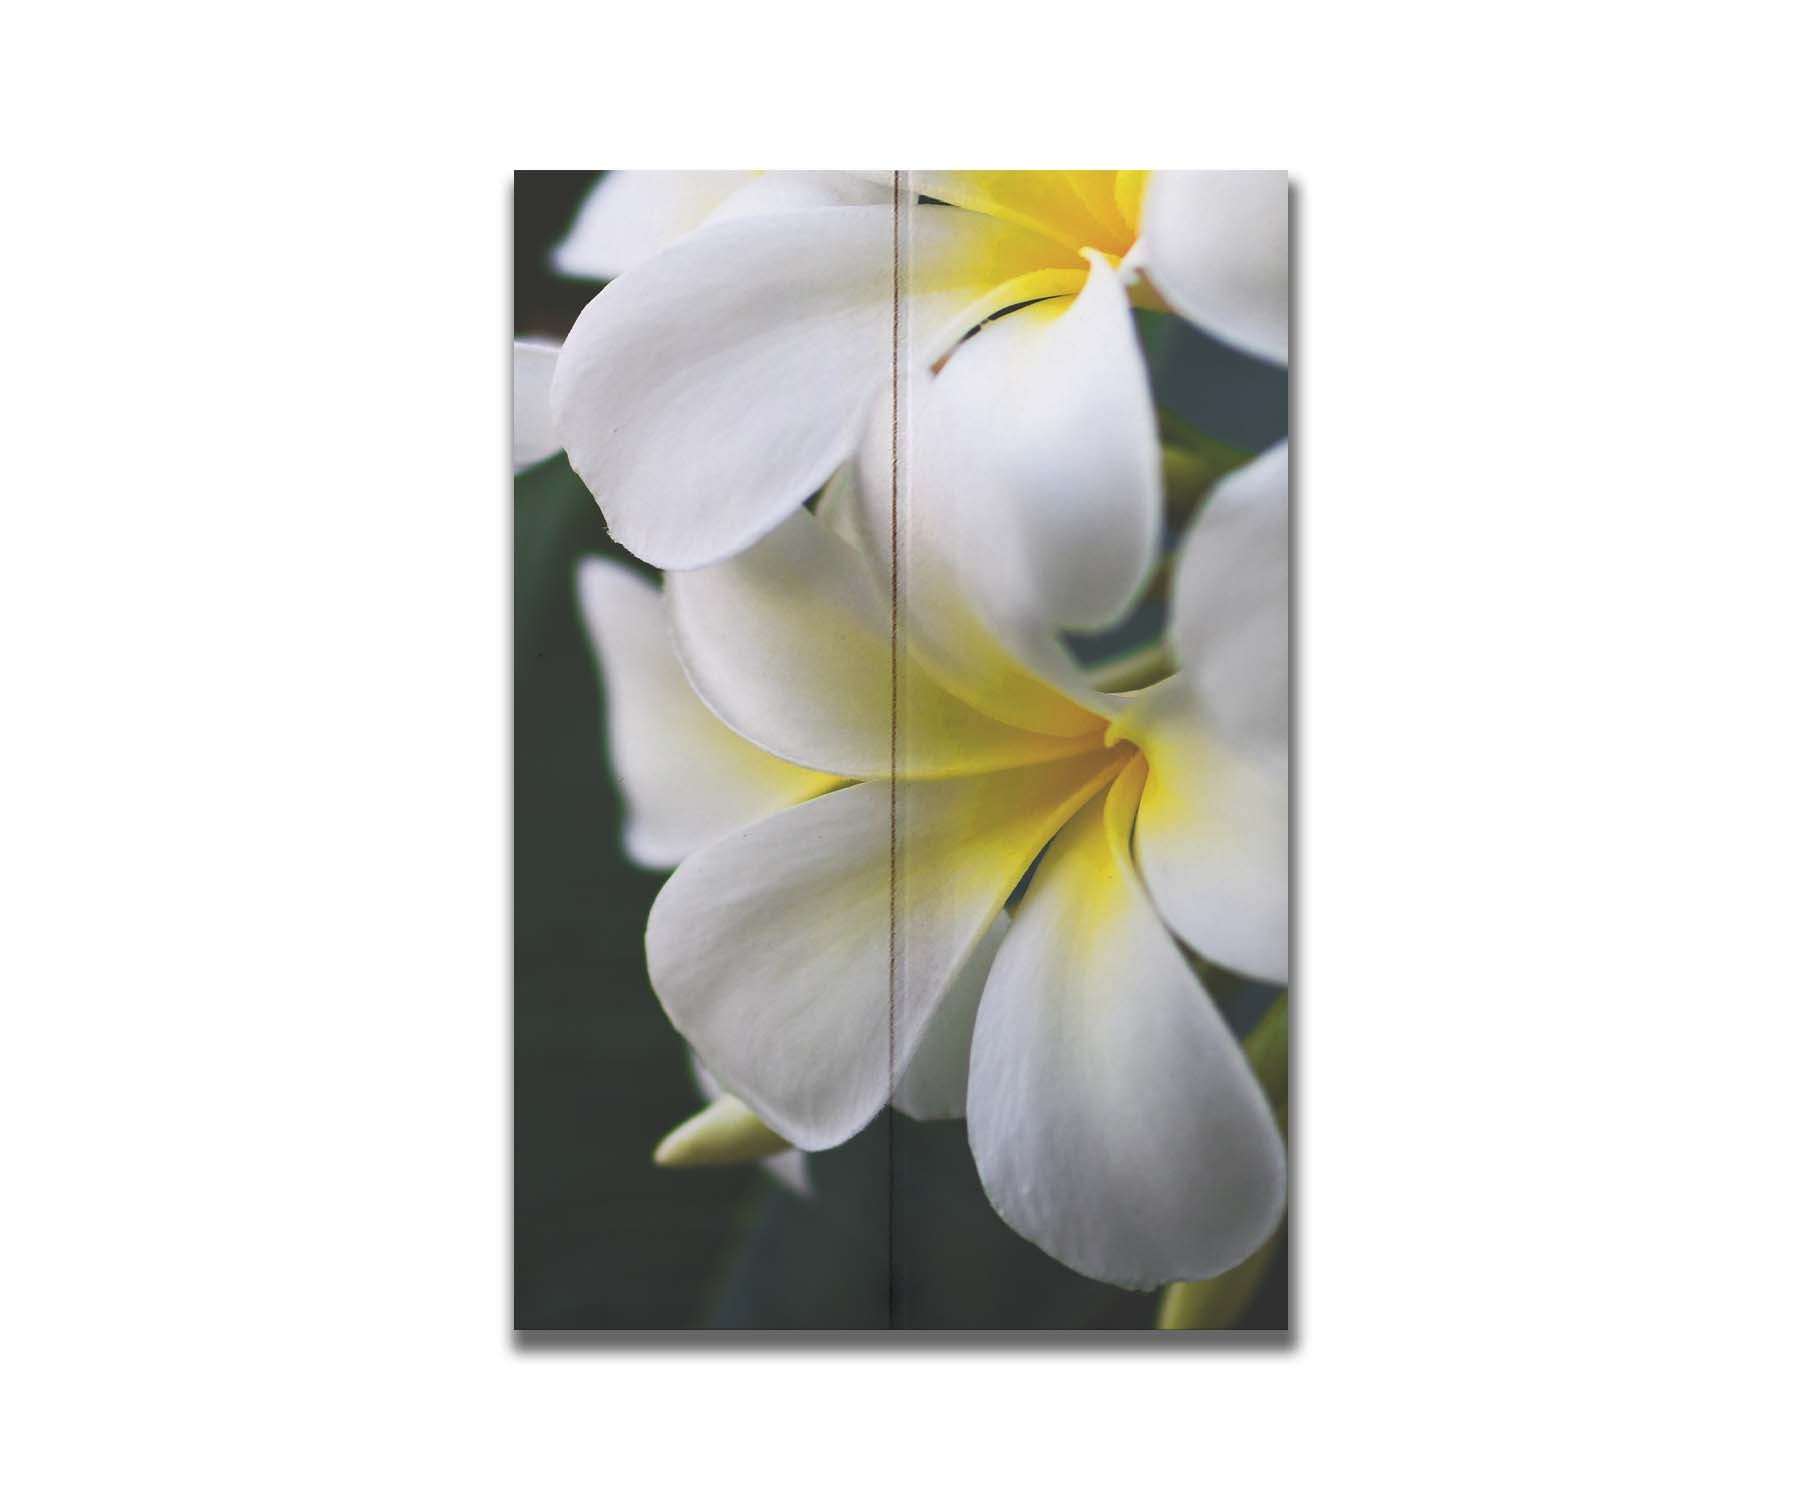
[603, 1240]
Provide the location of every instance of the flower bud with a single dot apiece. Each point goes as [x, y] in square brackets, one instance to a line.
[723, 1134]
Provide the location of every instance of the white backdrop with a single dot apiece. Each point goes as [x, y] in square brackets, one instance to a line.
[254, 589]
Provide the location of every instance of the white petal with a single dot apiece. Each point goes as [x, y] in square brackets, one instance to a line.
[798, 968]
[791, 644]
[779, 192]
[936, 1082]
[1229, 619]
[629, 216]
[1216, 246]
[704, 395]
[790, 1170]
[1058, 434]
[786, 1167]
[687, 779]
[1212, 834]
[534, 440]
[1112, 1115]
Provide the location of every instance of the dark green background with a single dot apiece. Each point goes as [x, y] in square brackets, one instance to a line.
[897, 1233]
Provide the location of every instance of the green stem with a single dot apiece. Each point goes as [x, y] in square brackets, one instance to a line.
[1219, 1301]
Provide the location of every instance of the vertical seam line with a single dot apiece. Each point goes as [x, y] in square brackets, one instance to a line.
[893, 719]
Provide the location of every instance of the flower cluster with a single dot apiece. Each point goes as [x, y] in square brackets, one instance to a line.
[892, 438]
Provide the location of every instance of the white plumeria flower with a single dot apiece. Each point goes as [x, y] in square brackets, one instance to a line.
[715, 385]
[852, 947]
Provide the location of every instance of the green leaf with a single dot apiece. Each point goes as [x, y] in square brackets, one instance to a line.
[1267, 1049]
[1192, 464]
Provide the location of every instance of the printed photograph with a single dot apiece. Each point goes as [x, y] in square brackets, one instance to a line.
[901, 751]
